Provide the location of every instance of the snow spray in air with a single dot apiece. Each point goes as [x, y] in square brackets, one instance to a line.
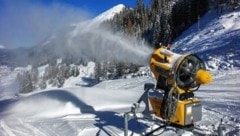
[98, 42]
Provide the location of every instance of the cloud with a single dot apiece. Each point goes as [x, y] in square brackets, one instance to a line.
[26, 23]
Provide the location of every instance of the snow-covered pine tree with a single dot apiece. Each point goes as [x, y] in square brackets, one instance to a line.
[34, 77]
[75, 71]
[25, 82]
[162, 21]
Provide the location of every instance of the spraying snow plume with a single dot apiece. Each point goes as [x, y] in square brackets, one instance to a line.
[101, 43]
[94, 40]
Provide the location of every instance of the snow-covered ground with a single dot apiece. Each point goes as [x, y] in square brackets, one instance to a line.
[217, 40]
[71, 111]
[79, 111]
[99, 110]
[221, 100]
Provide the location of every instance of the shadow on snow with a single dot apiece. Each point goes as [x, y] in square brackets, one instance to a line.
[106, 118]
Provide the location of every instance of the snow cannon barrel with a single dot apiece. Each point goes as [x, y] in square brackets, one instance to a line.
[186, 71]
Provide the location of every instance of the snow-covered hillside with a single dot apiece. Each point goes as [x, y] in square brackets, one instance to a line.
[86, 25]
[217, 41]
[76, 110]
[109, 14]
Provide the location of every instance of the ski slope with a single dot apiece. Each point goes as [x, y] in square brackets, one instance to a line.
[99, 110]
[70, 111]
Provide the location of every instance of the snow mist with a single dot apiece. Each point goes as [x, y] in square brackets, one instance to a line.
[95, 41]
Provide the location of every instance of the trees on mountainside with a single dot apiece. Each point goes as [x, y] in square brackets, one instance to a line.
[161, 21]
[53, 74]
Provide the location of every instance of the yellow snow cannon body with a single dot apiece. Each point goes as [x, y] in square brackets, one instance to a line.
[177, 76]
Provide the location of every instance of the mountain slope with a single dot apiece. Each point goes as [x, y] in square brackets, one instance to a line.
[109, 14]
[217, 41]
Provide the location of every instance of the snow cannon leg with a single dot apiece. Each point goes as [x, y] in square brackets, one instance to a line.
[130, 115]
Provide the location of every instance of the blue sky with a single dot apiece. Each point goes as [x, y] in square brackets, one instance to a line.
[25, 23]
[93, 6]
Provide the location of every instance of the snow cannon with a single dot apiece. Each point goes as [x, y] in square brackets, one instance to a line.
[178, 76]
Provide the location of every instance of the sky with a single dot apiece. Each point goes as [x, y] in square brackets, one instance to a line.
[26, 23]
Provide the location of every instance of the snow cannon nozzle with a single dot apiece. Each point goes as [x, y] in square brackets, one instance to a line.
[203, 76]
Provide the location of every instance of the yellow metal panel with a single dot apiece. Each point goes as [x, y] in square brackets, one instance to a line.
[179, 116]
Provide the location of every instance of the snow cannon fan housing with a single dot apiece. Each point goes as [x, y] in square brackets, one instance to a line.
[178, 76]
